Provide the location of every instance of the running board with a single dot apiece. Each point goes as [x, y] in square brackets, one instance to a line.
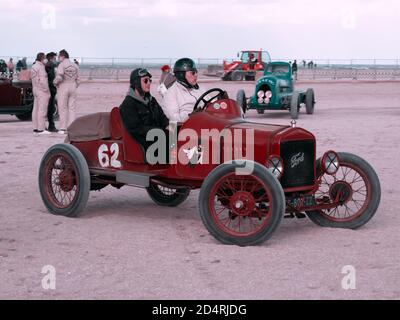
[134, 178]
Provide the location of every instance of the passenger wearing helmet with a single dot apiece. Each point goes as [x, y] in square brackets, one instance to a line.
[140, 112]
[181, 97]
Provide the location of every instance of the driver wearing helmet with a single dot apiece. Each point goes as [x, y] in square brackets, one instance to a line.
[140, 111]
[181, 97]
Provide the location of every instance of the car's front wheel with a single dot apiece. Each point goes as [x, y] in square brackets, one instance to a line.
[241, 209]
[294, 105]
[357, 187]
[310, 101]
[241, 100]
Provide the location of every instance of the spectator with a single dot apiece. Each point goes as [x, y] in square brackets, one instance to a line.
[304, 63]
[19, 66]
[41, 94]
[3, 68]
[294, 69]
[10, 66]
[24, 65]
[66, 82]
[51, 74]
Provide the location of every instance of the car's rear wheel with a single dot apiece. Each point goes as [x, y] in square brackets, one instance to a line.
[294, 105]
[165, 196]
[241, 209]
[241, 100]
[357, 185]
[26, 116]
[64, 180]
[237, 75]
[310, 101]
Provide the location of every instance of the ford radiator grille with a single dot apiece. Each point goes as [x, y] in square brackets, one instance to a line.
[298, 158]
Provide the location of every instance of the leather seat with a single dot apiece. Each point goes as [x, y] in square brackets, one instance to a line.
[133, 151]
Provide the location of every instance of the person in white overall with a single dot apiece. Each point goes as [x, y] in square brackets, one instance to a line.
[41, 95]
[66, 81]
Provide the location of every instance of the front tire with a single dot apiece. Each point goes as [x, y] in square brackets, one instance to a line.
[310, 101]
[359, 180]
[167, 197]
[241, 100]
[294, 106]
[241, 209]
[64, 180]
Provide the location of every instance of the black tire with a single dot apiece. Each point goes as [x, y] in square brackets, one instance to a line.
[373, 191]
[237, 76]
[241, 100]
[294, 106]
[260, 111]
[66, 165]
[310, 101]
[167, 197]
[26, 116]
[263, 179]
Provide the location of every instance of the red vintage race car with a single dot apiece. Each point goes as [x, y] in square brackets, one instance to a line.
[242, 198]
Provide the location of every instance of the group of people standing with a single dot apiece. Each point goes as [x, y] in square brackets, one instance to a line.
[49, 80]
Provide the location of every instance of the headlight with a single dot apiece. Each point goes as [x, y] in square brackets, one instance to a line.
[260, 100]
[260, 94]
[330, 162]
[275, 166]
[268, 94]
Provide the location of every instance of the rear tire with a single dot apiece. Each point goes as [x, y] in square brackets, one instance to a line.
[237, 75]
[26, 116]
[241, 100]
[64, 180]
[294, 106]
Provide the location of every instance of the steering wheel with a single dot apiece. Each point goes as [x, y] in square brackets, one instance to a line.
[221, 94]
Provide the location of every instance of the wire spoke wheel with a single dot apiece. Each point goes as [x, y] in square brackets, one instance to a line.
[241, 209]
[355, 186]
[62, 186]
[64, 180]
[165, 196]
[240, 205]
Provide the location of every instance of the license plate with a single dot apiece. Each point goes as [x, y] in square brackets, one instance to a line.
[306, 201]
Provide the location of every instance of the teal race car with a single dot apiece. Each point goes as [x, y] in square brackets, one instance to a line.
[275, 91]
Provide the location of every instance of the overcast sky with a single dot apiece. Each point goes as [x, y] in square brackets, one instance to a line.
[203, 28]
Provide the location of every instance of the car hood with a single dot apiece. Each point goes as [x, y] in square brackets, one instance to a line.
[259, 127]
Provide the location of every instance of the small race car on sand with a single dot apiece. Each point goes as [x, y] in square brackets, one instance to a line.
[237, 206]
[275, 91]
[16, 98]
